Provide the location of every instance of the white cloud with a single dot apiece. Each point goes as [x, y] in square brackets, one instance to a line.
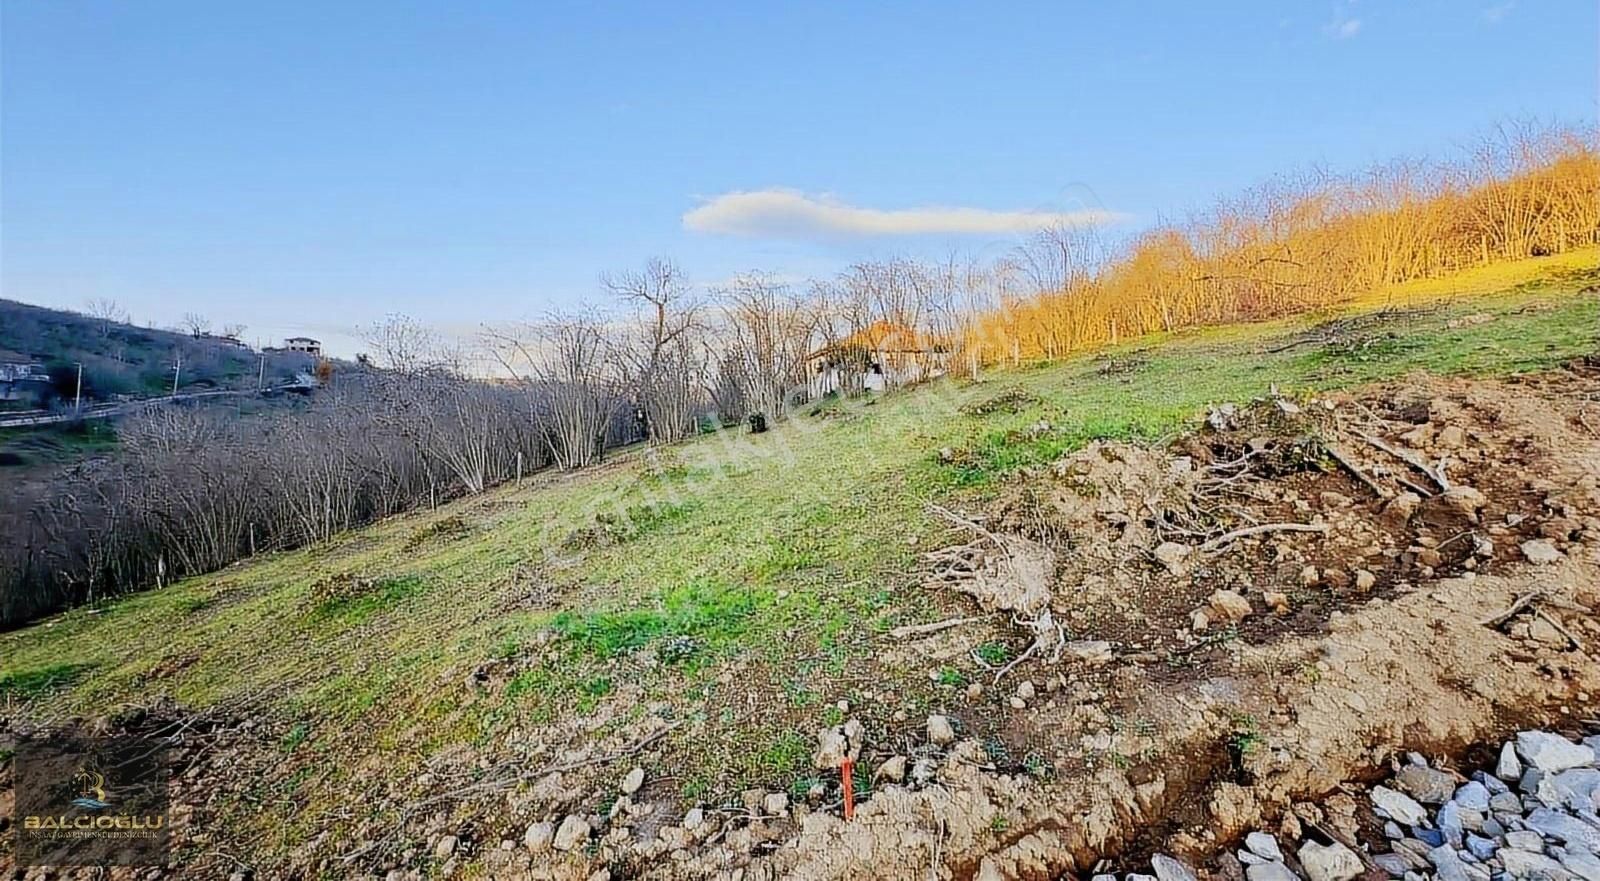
[1499, 11]
[1344, 30]
[783, 213]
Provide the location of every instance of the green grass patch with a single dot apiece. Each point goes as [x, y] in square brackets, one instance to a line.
[355, 604]
[29, 684]
[710, 613]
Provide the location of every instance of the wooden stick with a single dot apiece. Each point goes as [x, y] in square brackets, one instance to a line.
[1521, 602]
[1221, 540]
[1550, 619]
[1408, 458]
[1349, 465]
[925, 629]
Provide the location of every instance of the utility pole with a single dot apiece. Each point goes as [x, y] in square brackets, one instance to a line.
[77, 396]
[261, 373]
[177, 368]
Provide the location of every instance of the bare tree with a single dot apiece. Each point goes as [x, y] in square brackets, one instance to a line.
[770, 331]
[664, 364]
[196, 324]
[107, 312]
[566, 365]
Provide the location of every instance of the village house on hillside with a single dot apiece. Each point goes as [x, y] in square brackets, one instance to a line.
[22, 378]
[304, 344]
[883, 353]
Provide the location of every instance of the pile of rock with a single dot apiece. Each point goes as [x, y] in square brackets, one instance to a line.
[1532, 816]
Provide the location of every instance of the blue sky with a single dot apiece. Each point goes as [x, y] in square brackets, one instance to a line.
[312, 166]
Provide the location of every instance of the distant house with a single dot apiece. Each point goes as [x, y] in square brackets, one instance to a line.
[22, 378]
[884, 353]
[304, 344]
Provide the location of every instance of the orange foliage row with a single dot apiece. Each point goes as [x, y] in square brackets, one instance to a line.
[1301, 244]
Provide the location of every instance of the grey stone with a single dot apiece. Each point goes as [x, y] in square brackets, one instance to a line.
[1551, 752]
[1393, 864]
[1263, 845]
[1251, 859]
[1525, 839]
[1272, 871]
[632, 782]
[1579, 862]
[1506, 802]
[1568, 829]
[1581, 782]
[775, 804]
[1447, 864]
[538, 837]
[1529, 783]
[1473, 796]
[1169, 869]
[1527, 864]
[893, 770]
[1482, 848]
[1493, 828]
[1492, 783]
[940, 731]
[1102, 878]
[1509, 768]
[1427, 785]
[1449, 822]
[1329, 862]
[1135, 876]
[1432, 837]
[1398, 806]
[572, 834]
[1540, 552]
[1392, 831]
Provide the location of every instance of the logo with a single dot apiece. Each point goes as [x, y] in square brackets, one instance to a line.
[98, 801]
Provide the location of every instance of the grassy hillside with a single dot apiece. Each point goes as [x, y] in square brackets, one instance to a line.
[738, 585]
[123, 359]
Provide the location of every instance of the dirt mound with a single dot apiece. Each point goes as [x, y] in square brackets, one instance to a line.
[1011, 399]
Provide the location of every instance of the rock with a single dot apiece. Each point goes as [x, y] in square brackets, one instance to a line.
[539, 836]
[923, 771]
[1473, 796]
[1263, 845]
[1447, 864]
[1365, 580]
[632, 782]
[445, 847]
[1270, 871]
[1450, 826]
[1276, 601]
[1227, 605]
[940, 731]
[1564, 827]
[1579, 862]
[1482, 848]
[1329, 862]
[1427, 785]
[1025, 690]
[1093, 652]
[572, 834]
[1542, 631]
[1400, 509]
[1527, 864]
[1309, 576]
[775, 804]
[1552, 752]
[1451, 437]
[1457, 502]
[836, 744]
[693, 819]
[1394, 865]
[1505, 803]
[1540, 552]
[1169, 869]
[1509, 768]
[989, 870]
[893, 770]
[1018, 703]
[1525, 839]
[1398, 806]
[1172, 555]
[1199, 621]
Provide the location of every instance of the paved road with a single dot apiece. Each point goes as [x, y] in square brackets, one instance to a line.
[106, 411]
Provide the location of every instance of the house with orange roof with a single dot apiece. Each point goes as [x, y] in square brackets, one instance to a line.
[881, 355]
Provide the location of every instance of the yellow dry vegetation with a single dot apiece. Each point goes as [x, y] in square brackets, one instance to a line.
[1300, 244]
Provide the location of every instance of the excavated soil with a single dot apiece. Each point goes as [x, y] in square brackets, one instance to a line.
[1193, 680]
